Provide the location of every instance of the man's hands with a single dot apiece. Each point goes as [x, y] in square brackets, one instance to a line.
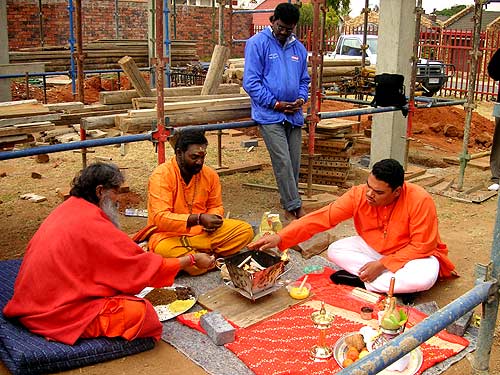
[370, 271]
[268, 241]
[289, 107]
[210, 222]
[200, 260]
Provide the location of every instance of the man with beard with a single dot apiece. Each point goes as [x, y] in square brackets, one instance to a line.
[397, 228]
[185, 209]
[80, 273]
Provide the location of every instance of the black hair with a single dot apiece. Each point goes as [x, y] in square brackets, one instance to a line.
[287, 13]
[390, 171]
[190, 137]
[85, 183]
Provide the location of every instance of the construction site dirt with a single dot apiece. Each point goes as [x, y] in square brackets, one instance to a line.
[467, 228]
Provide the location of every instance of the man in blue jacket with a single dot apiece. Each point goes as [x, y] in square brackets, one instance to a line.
[277, 81]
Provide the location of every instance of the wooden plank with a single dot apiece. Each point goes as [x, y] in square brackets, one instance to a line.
[98, 122]
[59, 107]
[130, 68]
[27, 119]
[125, 96]
[319, 187]
[26, 128]
[239, 169]
[413, 171]
[242, 311]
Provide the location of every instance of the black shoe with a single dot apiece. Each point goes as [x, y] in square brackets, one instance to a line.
[345, 278]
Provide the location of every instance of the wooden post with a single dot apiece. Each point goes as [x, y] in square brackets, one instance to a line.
[130, 68]
[215, 70]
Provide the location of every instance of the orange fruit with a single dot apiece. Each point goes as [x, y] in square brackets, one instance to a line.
[352, 353]
[347, 362]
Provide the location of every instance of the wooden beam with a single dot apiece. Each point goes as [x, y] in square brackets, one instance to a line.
[26, 128]
[27, 119]
[130, 68]
[215, 70]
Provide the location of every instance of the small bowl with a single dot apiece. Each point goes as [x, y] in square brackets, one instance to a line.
[366, 312]
[296, 292]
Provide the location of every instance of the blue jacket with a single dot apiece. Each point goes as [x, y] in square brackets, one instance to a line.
[275, 73]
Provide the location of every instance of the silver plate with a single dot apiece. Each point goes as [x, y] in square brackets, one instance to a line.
[416, 358]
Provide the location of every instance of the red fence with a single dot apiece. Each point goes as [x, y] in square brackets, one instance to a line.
[453, 47]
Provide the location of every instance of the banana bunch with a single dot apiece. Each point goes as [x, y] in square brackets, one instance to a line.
[394, 321]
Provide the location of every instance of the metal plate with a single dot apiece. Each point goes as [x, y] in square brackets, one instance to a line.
[416, 358]
[163, 311]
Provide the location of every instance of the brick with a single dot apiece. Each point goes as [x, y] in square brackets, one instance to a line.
[316, 244]
[217, 328]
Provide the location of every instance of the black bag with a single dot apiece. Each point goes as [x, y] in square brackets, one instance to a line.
[494, 66]
[390, 91]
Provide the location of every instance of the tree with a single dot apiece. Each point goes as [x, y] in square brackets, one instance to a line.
[448, 12]
[336, 8]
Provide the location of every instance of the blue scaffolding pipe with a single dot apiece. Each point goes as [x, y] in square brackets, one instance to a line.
[74, 146]
[417, 99]
[395, 349]
[208, 127]
[166, 41]
[72, 46]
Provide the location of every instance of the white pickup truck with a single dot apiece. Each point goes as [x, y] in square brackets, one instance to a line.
[431, 74]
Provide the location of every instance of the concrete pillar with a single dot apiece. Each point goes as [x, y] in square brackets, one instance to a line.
[4, 52]
[395, 46]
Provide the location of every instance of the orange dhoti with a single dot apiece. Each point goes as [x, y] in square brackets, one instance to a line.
[230, 238]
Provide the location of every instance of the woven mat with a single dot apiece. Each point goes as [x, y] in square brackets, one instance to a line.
[219, 360]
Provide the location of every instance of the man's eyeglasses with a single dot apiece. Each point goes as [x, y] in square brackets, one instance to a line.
[281, 28]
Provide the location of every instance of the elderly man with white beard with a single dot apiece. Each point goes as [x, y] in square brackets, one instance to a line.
[80, 272]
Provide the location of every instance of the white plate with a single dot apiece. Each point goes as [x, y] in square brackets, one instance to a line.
[416, 358]
[163, 311]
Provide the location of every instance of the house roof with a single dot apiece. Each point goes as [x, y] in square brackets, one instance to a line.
[262, 19]
[463, 20]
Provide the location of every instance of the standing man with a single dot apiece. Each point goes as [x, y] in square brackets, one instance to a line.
[494, 72]
[185, 208]
[397, 228]
[277, 81]
[80, 272]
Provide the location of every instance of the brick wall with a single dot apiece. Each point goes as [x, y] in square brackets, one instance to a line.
[192, 23]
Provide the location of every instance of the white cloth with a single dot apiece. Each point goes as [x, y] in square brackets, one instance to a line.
[352, 253]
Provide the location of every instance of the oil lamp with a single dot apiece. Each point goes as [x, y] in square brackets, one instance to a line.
[322, 320]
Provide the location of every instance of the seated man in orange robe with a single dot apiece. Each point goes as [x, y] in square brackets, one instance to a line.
[80, 272]
[397, 228]
[185, 206]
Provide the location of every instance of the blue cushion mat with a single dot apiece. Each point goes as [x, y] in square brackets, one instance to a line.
[26, 353]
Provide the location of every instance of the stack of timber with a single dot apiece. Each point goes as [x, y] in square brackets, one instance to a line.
[126, 96]
[333, 70]
[332, 151]
[104, 54]
[21, 121]
[192, 112]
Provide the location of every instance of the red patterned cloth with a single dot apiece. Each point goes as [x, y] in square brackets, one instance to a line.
[281, 343]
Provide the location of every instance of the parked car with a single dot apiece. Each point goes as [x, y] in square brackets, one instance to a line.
[431, 74]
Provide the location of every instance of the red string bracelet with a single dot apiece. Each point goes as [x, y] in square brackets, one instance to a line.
[192, 260]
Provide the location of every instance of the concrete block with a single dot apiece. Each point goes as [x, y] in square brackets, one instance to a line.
[428, 308]
[456, 328]
[217, 328]
[460, 326]
[250, 143]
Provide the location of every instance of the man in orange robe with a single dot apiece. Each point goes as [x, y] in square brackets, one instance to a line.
[80, 272]
[397, 230]
[185, 206]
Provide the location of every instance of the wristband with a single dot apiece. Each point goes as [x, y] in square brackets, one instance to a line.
[191, 259]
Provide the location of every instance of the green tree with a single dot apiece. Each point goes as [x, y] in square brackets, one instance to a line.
[336, 8]
[449, 11]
